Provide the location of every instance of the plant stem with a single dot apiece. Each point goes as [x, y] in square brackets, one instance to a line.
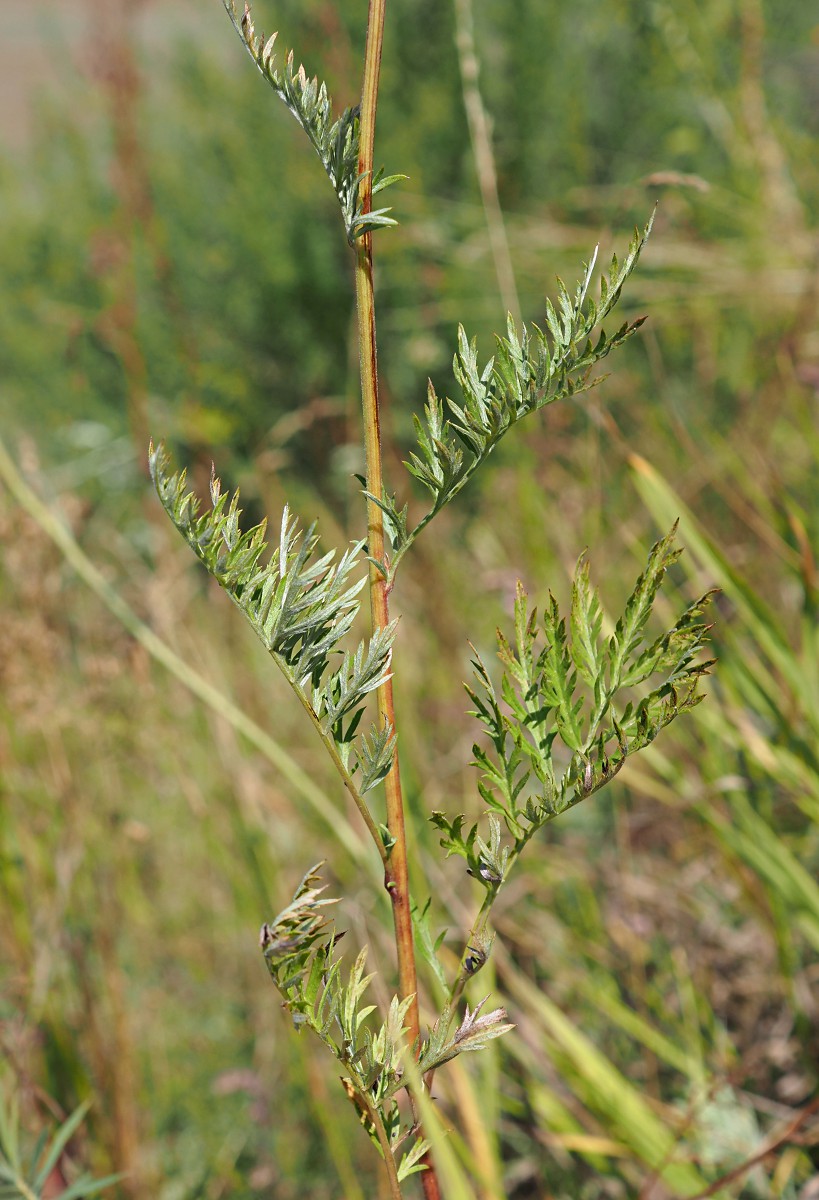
[478, 926]
[384, 1143]
[338, 763]
[396, 875]
[23, 1190]
[481, 137]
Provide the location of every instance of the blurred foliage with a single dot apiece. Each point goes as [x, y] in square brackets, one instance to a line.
[174, 264]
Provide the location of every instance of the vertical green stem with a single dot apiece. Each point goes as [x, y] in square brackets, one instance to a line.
[396, 876]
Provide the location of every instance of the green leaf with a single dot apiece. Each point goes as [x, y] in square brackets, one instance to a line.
[359, 674]
[301, 605]
[530, 369]
[298, 947]
[17, 1182]
[556, 689]
[628, 633]
[87, 1187]
[336, 141]
[381, 181]
[493, 857]
[10, 1131]
[411, 1162]
[376, 754]
[395, 519]
[61, 1138]
[673, 651]
[558, 679]
[386, 837]
[453, 840]
[427, 948]
[586, 623]
[474, 1033]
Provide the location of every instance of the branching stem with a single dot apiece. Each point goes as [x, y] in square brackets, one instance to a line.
[396, 875]
[479, 924]
[478, 928]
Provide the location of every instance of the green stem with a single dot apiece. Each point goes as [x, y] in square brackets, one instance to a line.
[23, 1190]
[461, 979]
[463, 976]
[373, 1112]
[477, 927]
[384, 1143]
[479, 924]
[469, 471]
[338, 762]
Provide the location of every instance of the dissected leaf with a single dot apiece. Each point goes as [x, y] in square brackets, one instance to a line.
[474, 1033]
[579, 693]
[336, 141]
[530, 369]
[300, 603]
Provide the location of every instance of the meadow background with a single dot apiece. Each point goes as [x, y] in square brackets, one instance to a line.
[173, 266]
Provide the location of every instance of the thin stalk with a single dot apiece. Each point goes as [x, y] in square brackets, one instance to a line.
[479, 924]
[463, 976]
[481, 137]
[384, 1143]
[338, 762]
[396, 874]
[23, 1189]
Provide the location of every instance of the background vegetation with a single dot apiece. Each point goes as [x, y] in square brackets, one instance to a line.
[173, 265]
